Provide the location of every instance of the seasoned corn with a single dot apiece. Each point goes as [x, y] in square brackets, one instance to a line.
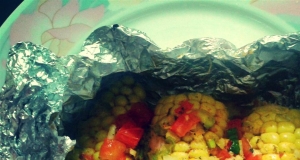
[92, 132]
[193, 145]
[275, 130]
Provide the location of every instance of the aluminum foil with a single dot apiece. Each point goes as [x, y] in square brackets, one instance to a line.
[43, 92]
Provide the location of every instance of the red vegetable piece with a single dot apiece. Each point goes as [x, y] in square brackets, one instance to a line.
[247, 149]
[236, 123]
[122, 119]
[140, 114]
[130, 136]
[254, 157]
[184, 107]
[112, 149]
[184, 124]
[87, 157]
[223, 154]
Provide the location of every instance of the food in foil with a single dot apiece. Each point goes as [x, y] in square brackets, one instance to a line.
[48, 102]
[115, 124]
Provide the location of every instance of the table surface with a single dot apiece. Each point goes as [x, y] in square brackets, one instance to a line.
[7, 7]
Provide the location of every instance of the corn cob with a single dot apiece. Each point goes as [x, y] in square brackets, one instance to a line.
[274, 131]
[196, 143]
[115, 101]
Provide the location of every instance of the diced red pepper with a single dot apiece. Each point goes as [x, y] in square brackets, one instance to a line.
[254, 157]
[223, 154]
[140, 114]
[122, 119]
[236, 123]
[129, 134]
[184, 107]
[184, 124]
[247, 149]
[112, 149]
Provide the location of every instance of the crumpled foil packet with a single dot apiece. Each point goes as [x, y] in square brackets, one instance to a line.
[43, 91]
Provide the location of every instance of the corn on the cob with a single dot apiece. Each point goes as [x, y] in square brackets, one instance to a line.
[92, 132]
[195, 143]
[274, 131]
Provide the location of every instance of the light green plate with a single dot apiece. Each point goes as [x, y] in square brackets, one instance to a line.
[170, 22]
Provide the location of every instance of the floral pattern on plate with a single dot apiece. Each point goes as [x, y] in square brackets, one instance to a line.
[57, 23]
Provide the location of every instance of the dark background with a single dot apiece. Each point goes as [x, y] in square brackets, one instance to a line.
[7, 7]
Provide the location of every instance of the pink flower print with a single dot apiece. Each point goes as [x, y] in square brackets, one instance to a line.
[55, 26]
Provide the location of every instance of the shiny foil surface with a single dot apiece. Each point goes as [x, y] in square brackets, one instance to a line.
[42, 92]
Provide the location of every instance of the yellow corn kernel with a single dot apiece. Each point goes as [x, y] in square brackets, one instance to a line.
[179, 98]
[155, 119]
[248, 135]
[139, 91]
[118, 110]
[252, 126]
[169, 157]
[166, 121]
[268, 116]
[220, 105]
[270, 137]
[98, 146]
[107, 121]
[198, 128]
[295, 113]
[208, 99]
[196, 104]
[198, 153]
[253, 141]
[223, 114]
[188, 137]
[195, 96]
[297, 143]
[169, 99]
[180, 155]
[286, 147]
[158, 107]
[198, 145]
[166, 108]
[270, 157]
[253, 116]
[198, 136]
[269, 148]
[285, 127]
[209, 108]
[288, 156]
[222, 143]
[121, 100]
[221, 122]
[128, 158]
[96, 156]
[270, 126]
[88, 151]
[210, 135]
[217, 130]
[296, 122]
[170, 136]
[280, 118]
[297, 133]
[181, 147]
[100, 135]
[287, 137]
